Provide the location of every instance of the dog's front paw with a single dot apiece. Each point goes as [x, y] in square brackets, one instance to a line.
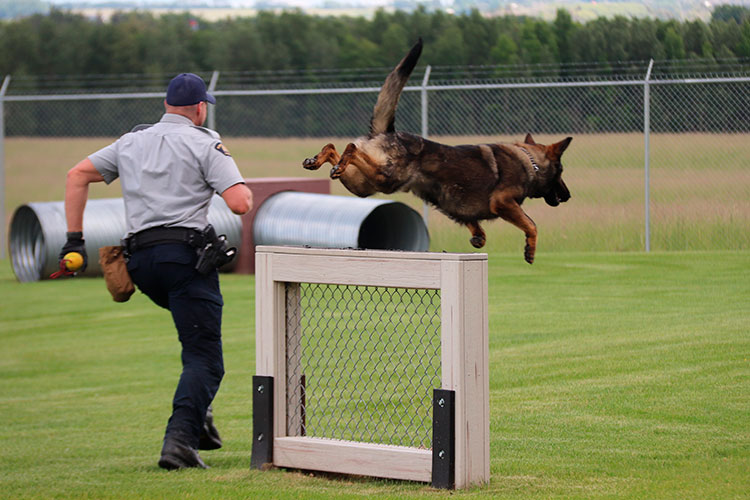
[528, 254]
[311, 163]
[477, 241]
[336, 172]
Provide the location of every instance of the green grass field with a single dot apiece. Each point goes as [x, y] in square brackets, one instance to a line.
[613, 375]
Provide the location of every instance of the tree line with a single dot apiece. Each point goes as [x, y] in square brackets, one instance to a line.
[63, 43]
[46, 52]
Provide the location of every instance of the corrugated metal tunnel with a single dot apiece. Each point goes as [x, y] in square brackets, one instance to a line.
[37, 233]
[37, 230]
[325, 221]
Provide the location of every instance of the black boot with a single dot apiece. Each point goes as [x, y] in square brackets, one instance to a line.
[177, 455]
[210, 439]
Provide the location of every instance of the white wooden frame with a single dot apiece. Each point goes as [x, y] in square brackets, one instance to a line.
[462, 280]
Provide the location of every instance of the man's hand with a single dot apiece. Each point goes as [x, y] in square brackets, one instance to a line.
[75, 243]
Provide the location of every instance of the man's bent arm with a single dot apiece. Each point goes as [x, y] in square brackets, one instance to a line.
[239, 198]
[77, 192]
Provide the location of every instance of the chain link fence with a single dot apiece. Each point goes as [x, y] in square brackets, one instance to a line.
[333, 333]
[659, 157]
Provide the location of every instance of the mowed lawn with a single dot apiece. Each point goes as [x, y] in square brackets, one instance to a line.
[612, 375]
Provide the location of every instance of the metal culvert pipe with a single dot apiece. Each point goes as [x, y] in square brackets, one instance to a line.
[325, 221]
[37, 233]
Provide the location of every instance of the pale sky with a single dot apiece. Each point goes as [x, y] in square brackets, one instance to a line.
[235, 3]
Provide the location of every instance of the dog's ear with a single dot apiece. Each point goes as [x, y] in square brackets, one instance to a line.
[529, 139]
[559, 148]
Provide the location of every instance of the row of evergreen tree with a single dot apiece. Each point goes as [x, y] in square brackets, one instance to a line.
[62, 43]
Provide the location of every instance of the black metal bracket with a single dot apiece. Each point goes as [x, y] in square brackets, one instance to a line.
[303, 405]
[444, 439]
[262, 453]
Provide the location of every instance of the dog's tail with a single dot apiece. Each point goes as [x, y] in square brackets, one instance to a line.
[384, 114]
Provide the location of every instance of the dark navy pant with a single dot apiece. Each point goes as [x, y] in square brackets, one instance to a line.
[166, 274]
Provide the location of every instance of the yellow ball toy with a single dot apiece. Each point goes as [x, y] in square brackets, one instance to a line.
[73, 261]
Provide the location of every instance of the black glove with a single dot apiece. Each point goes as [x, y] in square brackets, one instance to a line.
[75, 243]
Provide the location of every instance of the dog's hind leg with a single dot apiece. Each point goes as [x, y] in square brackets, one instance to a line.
[477, 234]
[344, 160]
[503, 204]
[355, 157]
[355, 179]
[327, 155]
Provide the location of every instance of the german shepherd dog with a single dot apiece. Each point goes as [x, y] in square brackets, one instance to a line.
[467, 183]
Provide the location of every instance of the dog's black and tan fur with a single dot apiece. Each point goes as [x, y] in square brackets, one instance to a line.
[468, 183]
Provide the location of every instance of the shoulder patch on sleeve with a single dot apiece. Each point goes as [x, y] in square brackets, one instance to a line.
[221, 149]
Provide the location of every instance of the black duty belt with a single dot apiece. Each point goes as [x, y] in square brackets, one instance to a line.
[160, 235]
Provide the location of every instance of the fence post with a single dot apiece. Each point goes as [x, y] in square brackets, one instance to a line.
[211, 119]
[425, 81]
[3, 89]
[647, 150]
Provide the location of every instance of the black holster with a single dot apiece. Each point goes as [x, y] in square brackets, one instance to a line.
[215, 253]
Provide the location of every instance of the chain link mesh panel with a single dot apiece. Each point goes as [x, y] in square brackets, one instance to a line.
[700, 182]
[308, 115]
[84, 118]
[362, 362]
[551, 110]
[604, 166]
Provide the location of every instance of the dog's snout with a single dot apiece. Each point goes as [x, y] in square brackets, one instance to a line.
[563, 193]
[558, 194]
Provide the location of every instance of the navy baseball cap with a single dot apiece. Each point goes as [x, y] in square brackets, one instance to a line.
[187, 89]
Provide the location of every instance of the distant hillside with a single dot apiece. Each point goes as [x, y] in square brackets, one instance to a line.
[583, 11]
[580, 10]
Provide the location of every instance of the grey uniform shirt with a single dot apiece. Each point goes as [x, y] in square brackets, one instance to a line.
[168, 172]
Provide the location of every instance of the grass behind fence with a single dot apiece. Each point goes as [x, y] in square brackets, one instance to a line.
[611, 376]
[700, 189]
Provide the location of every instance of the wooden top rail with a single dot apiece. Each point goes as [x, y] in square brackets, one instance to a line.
[360, 267]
